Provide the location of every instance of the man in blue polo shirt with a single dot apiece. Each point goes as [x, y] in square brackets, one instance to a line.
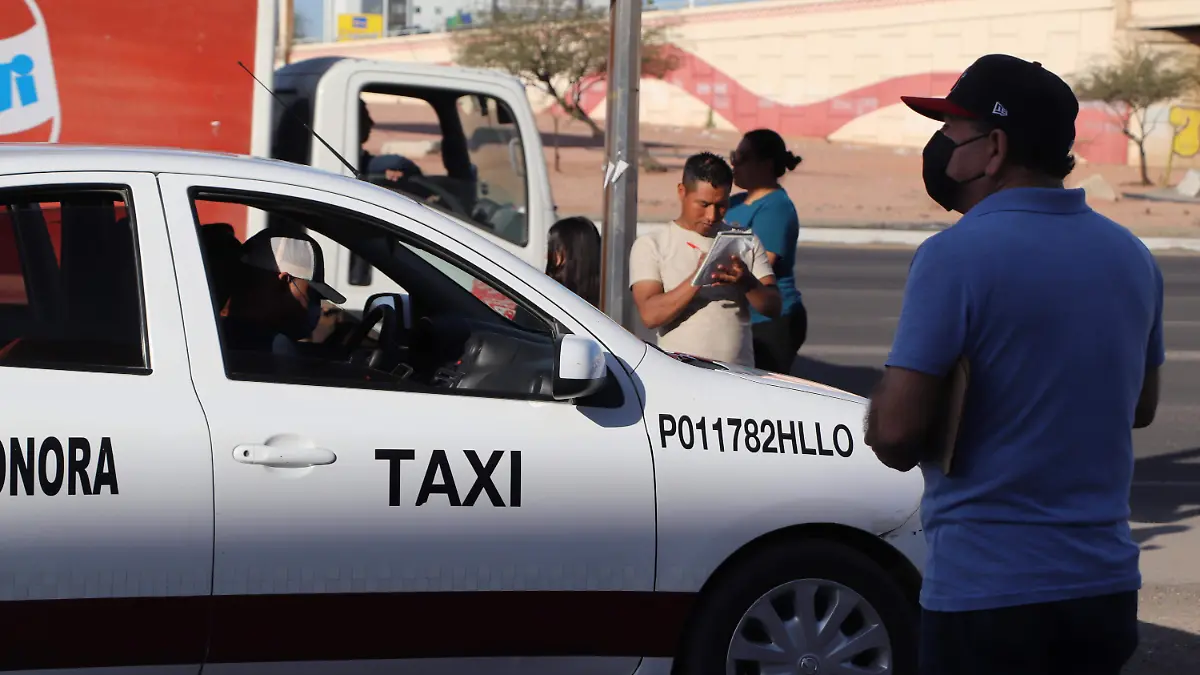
[1058, 312]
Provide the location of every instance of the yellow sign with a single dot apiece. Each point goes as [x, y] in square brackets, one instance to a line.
[359, 26]
[1187, 131]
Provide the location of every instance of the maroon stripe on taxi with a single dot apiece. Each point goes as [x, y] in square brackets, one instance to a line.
[99, 632]
[94, 632]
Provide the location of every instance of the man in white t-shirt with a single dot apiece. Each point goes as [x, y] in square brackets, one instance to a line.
[711, 321]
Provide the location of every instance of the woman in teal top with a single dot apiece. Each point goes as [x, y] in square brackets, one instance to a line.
[759, 162]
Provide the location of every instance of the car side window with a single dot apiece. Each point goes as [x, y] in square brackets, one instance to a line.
[447, 328]
[70, 286]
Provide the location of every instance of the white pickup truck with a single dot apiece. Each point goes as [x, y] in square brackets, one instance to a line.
[490, 170]
[438, 488]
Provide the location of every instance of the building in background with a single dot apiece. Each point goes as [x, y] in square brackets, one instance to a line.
[390, 18]
[327, 20]
[836, 70]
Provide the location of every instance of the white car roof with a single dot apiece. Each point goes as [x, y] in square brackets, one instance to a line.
[27, 158]
[21, 158]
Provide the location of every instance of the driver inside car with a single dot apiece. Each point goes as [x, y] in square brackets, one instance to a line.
[277, 300]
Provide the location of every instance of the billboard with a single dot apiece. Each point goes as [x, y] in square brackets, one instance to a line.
[359, 26]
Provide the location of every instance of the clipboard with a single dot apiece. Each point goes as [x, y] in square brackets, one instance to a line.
[945, 436]
[727, 243]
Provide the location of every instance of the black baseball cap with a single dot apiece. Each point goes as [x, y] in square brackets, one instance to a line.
[1032, 105]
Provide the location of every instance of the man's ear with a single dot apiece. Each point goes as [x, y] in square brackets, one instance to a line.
[682, 190]
[999, 141]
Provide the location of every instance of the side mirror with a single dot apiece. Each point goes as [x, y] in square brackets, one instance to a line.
[579, 367]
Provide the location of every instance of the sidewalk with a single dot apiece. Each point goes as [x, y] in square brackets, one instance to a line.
[912, 237]
[841, 186]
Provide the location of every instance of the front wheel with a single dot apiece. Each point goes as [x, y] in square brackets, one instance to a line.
[805, 608]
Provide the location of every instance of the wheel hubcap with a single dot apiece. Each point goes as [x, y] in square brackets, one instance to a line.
[810, 627]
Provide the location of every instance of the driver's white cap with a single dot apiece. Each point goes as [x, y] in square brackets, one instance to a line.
[292, 253]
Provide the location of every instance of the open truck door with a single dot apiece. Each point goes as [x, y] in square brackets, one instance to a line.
[462, 140]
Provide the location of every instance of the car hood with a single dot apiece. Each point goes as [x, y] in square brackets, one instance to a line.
[769, 378]
[790, 382]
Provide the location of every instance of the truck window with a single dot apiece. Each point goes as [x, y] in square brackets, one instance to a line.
[457, 151]
[498, 157]
[70, 289]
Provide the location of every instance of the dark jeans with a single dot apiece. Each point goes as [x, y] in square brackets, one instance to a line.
[777, 341]
[1088, 636]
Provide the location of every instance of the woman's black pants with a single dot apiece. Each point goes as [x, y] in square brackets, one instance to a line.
[776, 341]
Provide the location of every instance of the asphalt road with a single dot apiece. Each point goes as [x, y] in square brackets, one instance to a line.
[853, 298]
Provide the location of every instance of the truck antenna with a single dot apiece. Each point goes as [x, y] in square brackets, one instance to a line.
[317, 136]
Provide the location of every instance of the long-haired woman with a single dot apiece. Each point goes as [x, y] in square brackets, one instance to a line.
[573, 257]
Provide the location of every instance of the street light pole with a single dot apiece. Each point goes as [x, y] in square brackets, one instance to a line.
[621, 157]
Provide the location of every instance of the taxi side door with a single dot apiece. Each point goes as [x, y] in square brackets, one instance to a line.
[106, 512]
[415, 532]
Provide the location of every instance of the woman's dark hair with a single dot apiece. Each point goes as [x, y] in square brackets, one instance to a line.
[767, 144]
[578, 240]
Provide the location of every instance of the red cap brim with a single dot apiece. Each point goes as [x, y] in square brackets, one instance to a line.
[936, 108]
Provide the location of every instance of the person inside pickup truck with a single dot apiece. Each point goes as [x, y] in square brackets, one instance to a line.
[277, 300]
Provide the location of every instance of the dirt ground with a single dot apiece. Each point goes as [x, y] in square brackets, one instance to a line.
[837, 184]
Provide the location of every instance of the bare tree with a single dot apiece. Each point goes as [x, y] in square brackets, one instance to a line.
[1139, 78]
[561, 48]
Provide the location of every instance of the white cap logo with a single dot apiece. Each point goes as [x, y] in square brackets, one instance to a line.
[28, 90]
[999, 110]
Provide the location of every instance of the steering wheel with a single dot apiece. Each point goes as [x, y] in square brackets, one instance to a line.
[432, 190]
[382, 357]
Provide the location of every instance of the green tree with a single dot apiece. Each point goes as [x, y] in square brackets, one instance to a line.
[559, 47]
[1139, 78]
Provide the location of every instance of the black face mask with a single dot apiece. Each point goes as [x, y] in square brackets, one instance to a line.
[936, 158]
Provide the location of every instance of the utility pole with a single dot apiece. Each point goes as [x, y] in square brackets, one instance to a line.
[287, 30]
[621, 157]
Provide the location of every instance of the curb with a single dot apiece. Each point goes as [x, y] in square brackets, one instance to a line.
[914, 237]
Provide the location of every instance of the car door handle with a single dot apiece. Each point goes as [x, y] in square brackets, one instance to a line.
[284, 458]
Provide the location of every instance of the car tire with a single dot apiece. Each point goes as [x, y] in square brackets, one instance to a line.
[781, 572]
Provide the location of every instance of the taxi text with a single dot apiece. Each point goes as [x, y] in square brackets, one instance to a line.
[439, 478]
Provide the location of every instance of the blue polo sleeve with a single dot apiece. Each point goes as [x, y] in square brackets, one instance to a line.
[933, 317]
[777, 226]
[1156, 352]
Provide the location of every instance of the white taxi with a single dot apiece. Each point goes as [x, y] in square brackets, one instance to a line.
[443, 487]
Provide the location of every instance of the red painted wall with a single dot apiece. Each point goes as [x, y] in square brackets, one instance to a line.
[1097, 138]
